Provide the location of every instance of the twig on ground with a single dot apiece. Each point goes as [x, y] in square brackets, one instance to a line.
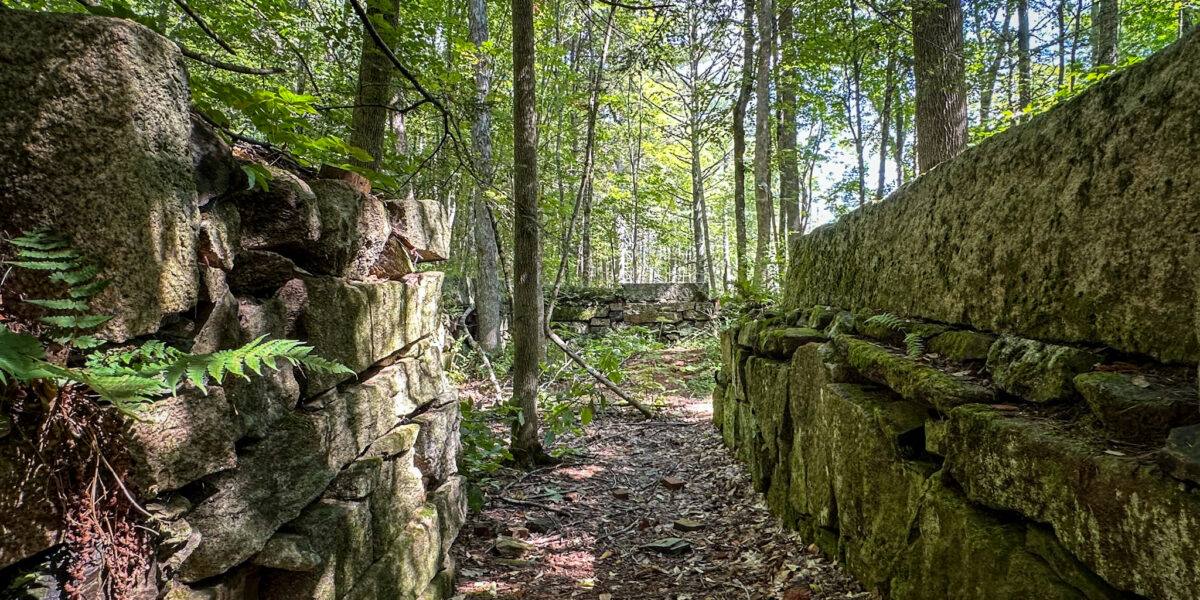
[516, 502]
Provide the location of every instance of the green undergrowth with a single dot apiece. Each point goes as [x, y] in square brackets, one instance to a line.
[634, 359]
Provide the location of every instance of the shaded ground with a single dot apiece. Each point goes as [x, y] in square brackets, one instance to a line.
[595, 545]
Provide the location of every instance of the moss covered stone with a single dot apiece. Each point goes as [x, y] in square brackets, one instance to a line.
[1133, 526]
[359, 323]
[1073, 226]
[911, 379]
[959, 550]
[579, 312]
[1137, 412]
[961, 345]
[1037, 371]
[782, 343]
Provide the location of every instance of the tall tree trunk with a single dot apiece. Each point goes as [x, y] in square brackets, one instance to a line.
[527, 259]
[854, 108]
[739, 140]
[1106, 22]
[1024, 62]
[762, 144]
[1061, 16]
[789, 170]
[698, 249]
[992, 71]
[901, 130]
[487, 292]
[368, 120]
[885, 123]
[584, 198]
[941, 81]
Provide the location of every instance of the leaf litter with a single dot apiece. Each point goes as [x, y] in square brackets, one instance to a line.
[606, 517]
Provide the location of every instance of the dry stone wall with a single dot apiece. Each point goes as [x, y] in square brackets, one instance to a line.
[670, 309]
[288, 486]
[1022, 421]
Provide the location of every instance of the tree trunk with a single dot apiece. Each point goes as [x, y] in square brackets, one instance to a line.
[1024, 64]
[584, 197]
[987, 90]
[367, 122]
[487, 292]
[1106, 21]
[885, 124]
[941, 81]
[1061, 16]
[762, 144]
[698, 248]
[739, 140]
[527, 260]
[901, 131]
[789, 171]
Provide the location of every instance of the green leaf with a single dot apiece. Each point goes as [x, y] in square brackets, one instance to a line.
[45, 265]
[60, 304]
[21, 356]
[586, 416]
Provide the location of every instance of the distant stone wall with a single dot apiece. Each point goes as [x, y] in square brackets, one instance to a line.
[1022, 423]
[286, 486]
[670, 309]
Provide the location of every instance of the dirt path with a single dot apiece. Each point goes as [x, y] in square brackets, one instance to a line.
[595, 546]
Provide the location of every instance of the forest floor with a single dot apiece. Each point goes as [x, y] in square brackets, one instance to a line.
[589, 522]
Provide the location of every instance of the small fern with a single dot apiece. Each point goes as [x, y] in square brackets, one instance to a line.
[126, 378]
[888, 320]
[915, 344]
[44, 251]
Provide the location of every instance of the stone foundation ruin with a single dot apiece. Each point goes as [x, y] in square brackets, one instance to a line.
[668, 309]
[1021, 421]
[279, 487]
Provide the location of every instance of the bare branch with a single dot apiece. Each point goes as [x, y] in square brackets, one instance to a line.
[204, 26]
[224, 66]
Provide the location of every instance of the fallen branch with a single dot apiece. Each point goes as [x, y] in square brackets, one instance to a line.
[597, 374]
[462, 323]
[516, 502]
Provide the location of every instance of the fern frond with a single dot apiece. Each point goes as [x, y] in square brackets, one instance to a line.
[75, 277]
[888, 320]
[321, 365]
[76, 322]
[88, 290]
[60, 304]
[45, 265]
[57, 253]
[21, 357]
[40, 240]
[915, 345]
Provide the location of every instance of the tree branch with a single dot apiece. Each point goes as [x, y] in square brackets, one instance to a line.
[634, 6]
[224, 66]
[204, 26]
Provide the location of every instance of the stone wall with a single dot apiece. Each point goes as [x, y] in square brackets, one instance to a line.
[286, 486]
[670, 309]
[1081, 225]
[1022, 423]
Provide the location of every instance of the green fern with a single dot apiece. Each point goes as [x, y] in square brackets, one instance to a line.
[915, 344]
[888, 320]
[44, 251]
[130, 377]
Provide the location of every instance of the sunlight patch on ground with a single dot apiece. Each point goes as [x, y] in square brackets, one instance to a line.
[583, 472]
